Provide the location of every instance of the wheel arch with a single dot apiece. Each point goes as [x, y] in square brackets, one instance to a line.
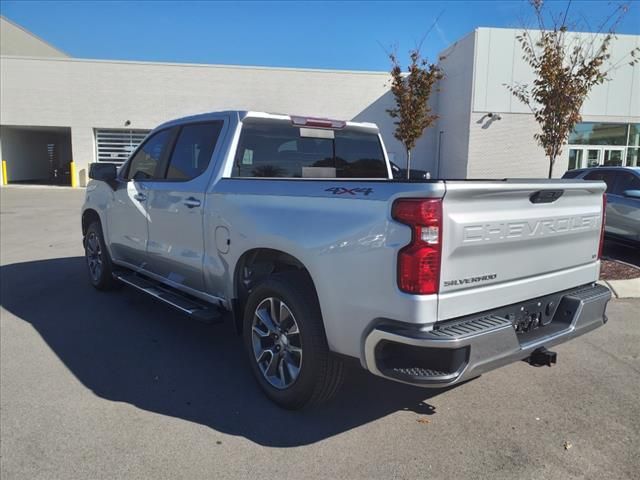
[88, 217]
[253, 267]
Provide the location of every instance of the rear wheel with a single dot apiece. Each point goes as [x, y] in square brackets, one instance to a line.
[286, 343]
[98, 260]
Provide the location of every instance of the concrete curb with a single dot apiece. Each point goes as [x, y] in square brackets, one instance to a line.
[623, 288]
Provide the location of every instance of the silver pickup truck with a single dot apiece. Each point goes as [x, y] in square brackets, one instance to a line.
[297, 227]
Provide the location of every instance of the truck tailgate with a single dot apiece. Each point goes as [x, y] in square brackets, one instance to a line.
[509, 241]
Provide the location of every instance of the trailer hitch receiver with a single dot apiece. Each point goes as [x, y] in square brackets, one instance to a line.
[541, 357]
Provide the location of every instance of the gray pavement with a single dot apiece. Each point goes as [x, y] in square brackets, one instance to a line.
[113, 385]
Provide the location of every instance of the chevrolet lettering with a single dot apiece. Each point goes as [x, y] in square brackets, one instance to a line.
[517, 229]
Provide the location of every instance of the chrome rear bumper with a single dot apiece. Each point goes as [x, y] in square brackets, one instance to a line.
[453, 351]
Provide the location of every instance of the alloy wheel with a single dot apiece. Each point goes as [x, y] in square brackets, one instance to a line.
[94, 256]
[277, 347]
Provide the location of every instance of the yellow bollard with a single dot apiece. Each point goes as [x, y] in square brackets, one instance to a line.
[72, 172]
[5, 180]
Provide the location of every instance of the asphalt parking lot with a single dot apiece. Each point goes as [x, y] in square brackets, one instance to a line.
[113, 385]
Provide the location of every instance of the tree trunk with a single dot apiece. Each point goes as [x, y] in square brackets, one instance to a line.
[408, 164]
[552, 160]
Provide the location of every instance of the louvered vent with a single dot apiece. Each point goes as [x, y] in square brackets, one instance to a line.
[116, 145]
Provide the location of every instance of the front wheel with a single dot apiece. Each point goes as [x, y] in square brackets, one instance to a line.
[98, 260]
[286, 343]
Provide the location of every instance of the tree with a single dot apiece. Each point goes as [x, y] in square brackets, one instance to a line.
[566, 67]
[411, 92]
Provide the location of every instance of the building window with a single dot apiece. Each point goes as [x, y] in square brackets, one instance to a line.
[634, 135]
[611, 144]
[588, 133]
[115, 146]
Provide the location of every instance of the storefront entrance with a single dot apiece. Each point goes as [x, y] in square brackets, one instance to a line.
[583, 157]
[607, 144]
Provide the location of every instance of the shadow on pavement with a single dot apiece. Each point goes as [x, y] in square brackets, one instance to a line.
[126, 347]
[620, 251]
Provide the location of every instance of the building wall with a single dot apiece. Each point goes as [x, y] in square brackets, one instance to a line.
[498, 63]
[88, 94]
[14, 40]
[448, 139]
[506, 147]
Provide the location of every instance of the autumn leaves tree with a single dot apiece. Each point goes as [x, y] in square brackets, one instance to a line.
[566, 67]
[411, 92]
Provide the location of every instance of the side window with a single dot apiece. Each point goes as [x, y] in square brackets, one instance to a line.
[144, 165]
[193, 150]
[626, 181]
[608, 178]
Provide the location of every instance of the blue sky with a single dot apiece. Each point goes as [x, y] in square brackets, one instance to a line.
[339, 35]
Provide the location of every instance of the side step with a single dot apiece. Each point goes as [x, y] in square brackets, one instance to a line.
[199, 310]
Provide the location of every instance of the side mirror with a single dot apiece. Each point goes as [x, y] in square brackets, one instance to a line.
[105, 172]
[632, 194]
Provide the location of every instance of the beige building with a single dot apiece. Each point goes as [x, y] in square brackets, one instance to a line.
[59, 114]
[485, 132]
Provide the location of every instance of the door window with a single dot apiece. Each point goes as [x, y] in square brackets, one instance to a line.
[144, 165]
[626, 181]
[608, 178]
[193, 150]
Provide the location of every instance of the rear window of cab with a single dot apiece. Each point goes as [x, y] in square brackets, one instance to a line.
[278, 149]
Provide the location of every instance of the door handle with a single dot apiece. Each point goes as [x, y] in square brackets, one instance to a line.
[141, 197]
[192, 202]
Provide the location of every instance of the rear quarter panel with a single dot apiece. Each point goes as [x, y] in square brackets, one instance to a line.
[346, 240]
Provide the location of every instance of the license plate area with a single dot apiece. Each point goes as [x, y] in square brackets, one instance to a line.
[538, 317]
[535, 318]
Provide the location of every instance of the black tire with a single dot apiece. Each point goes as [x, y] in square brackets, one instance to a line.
[320, 373]
[99, 265]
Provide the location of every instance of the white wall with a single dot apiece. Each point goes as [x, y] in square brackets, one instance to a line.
[498, 63]
[453, 105]
[506, 148]
[88, 94]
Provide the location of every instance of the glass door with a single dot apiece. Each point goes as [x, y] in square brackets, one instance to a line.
[613, 157]
[589, 157]
[575, 158]
[593, 157]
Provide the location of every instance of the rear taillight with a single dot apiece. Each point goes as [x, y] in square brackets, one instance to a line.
[604, 218]
[419, 262]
